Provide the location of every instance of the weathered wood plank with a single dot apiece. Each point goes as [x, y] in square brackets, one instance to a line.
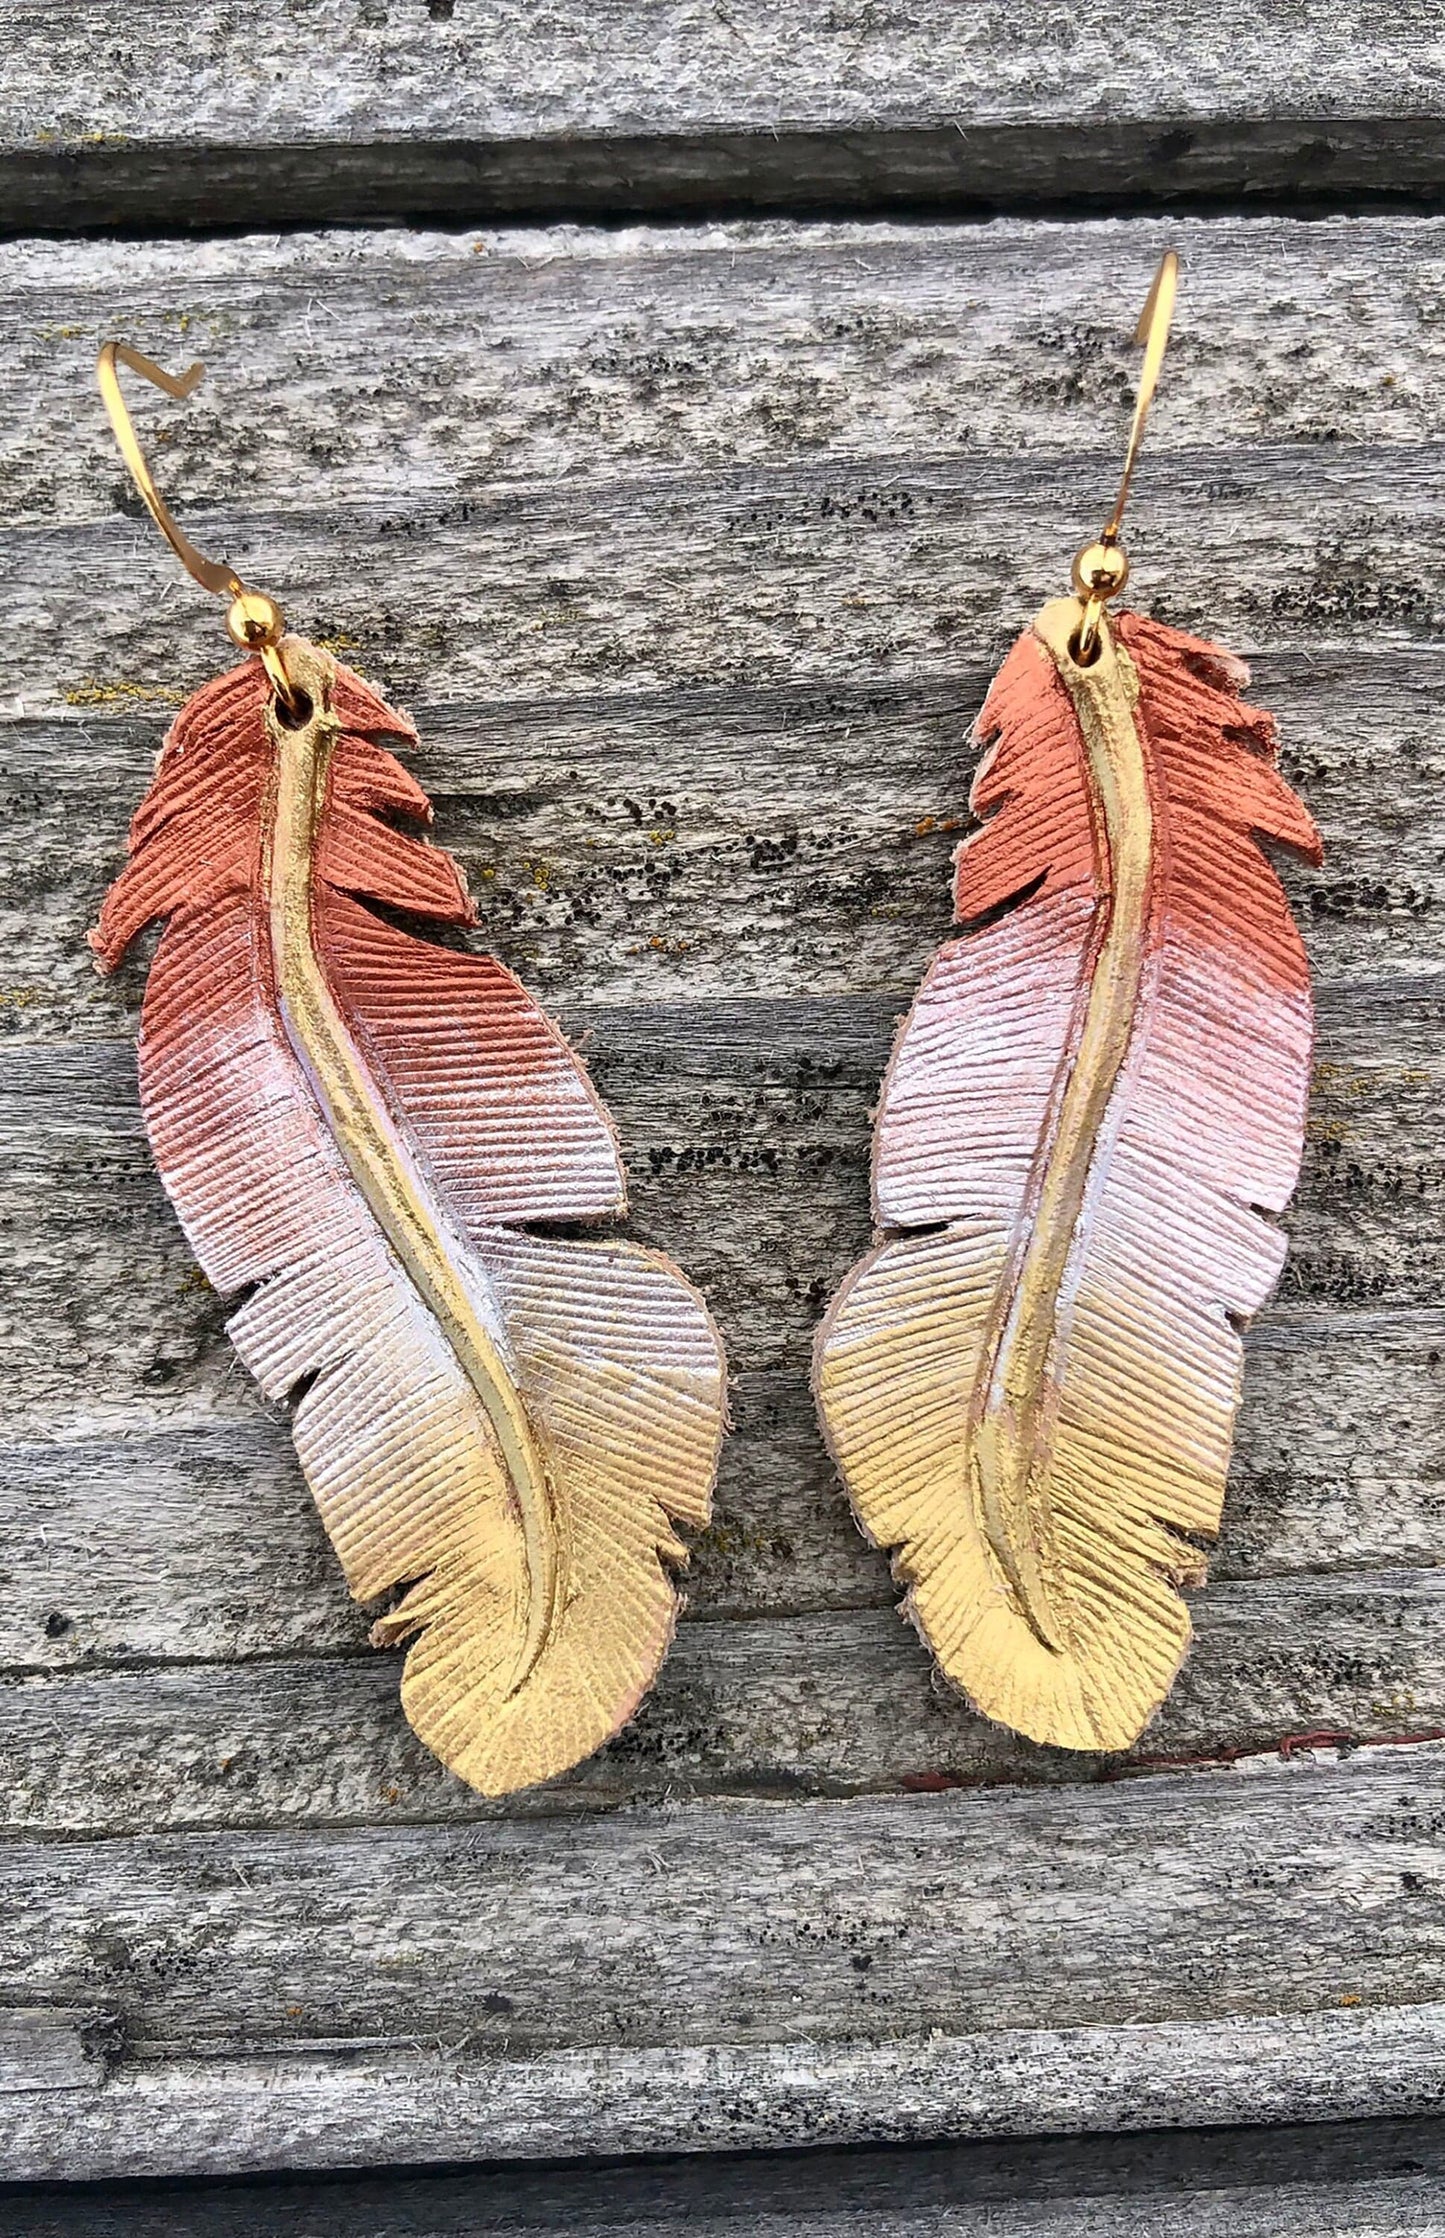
[729, 576]
[161, 1539]
[50, 2048]
[1369, 2177]
[822, 1704]
[461, 71]
[347, 2109]
[429, 365]
[750, 1161]
[693, 1977]
[927, 447]
[273, 114]
[742, 1922]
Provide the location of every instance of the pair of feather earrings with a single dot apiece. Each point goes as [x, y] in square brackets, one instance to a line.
[1029, 1385]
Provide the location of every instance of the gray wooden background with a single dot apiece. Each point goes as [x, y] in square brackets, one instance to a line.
[680, 407]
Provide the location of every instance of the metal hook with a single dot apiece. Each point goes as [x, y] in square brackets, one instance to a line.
[1101, 570]
[254, 621]
[1155, 321]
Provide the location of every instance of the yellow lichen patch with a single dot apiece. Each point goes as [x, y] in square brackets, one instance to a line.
[734, 1538]
[1334, 1085]
[21, 998]
[1330, 1079]
[1343, 1082]
[91, 692]
[48, 136]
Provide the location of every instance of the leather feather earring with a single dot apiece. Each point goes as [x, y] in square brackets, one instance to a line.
[1030, 1385]
[357, 1128]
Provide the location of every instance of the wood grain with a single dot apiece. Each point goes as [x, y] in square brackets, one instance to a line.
[874, 1966]
[1366, 2176]
[166, 1538]
[320, 2108]
[336, 111]
[50, 2047]
[707, 541]
[827, 1703]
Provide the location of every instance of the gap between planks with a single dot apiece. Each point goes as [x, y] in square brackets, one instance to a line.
[127, 115]
[1320, 2180]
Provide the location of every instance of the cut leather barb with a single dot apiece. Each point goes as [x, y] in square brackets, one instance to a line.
[500, 1428]
[1099, 1090]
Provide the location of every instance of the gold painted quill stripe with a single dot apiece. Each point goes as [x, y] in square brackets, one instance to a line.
[367, 1140]
[1013, 1429]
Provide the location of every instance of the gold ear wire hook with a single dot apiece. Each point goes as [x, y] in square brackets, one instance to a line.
[254, 622]
[1101, 570]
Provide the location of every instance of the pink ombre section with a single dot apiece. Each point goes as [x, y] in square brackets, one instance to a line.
[968, 1091]
[1218, 1071]
[499, 1108]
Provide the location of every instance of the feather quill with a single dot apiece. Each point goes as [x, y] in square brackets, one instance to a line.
[1030, 1384]
[357, 1129]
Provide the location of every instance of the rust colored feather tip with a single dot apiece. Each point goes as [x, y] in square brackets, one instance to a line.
[357, 1128]
[1030, 1384]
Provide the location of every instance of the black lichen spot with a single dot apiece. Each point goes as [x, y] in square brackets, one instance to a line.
[56, 1625]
